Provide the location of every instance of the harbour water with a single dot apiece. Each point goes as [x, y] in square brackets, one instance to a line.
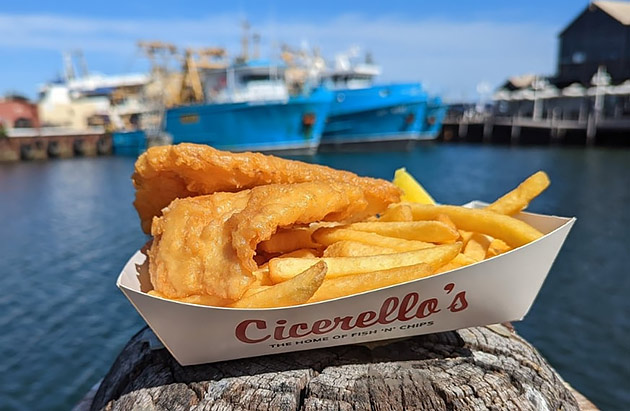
[68, 226]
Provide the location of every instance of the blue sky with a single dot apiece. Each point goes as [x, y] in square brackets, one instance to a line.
[451, 46]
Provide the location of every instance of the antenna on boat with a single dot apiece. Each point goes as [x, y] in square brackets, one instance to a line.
[256, 41]
[368, 58]
[245, 41]
[68, 68]
[82, 62]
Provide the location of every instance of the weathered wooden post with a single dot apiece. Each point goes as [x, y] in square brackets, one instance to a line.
[488, 128]
[591, 129]
[515, 133]
[462, 131]
[474, 368]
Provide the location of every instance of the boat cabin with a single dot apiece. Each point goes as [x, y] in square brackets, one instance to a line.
[256, 80]
[348, 74]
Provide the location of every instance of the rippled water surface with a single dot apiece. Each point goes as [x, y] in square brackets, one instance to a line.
[68, 226]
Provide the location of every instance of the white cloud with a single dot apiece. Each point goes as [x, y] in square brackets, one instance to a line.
[451, 57]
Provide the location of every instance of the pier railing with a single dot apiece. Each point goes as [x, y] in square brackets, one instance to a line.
[488, 127]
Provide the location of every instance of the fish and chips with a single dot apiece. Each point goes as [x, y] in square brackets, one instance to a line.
[246, 230]
[165, 173]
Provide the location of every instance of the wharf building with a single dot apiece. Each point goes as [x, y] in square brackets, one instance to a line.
[587, 100]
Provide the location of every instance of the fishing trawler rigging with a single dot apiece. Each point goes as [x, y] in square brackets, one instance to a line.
[245, 104]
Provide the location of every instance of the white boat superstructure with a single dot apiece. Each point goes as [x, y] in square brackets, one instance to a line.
[254, 81]
[348, 73]
[93, 99]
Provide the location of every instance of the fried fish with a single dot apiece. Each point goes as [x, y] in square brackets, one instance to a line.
[165, 173]
[205, 245]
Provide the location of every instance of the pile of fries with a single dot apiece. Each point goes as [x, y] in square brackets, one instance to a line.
[412, 239]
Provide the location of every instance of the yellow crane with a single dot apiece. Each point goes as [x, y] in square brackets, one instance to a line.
[191, 90]
[166, 79]
[183, 84]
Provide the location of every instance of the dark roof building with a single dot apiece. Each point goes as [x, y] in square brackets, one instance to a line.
[599, 36]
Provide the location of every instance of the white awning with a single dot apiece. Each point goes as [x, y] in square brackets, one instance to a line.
[524, 94]
[621, 89]
[574, 90]
[502, 95]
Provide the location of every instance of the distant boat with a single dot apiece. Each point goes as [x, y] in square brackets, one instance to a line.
[247, 106]
[129, 143]
[433, 120]
[361, 112]
[84, 100]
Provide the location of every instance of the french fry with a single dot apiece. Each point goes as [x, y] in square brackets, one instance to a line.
[354, 284]
[397, 212]
[477, 247]
[355, 249]
[261, 276]
[254, 290]
[412, 190]
[287, 240]
[514, 232]
[497, 247]
[283, 269]
[442, 218]
[330, 235]
[294, 291]
[460, 260]
[464, 236]
[429, 231]
[517, 199]
[301, 253]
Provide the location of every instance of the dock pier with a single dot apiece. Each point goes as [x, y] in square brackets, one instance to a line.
[41, 144]
[491, 129]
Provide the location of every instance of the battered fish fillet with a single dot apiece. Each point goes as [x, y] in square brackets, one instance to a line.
[189, 248]
[165, 173]
[205, 245]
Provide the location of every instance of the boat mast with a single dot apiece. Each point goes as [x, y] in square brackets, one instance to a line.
[245, 42]
[68, 68]
[256, 41]
[82, 62]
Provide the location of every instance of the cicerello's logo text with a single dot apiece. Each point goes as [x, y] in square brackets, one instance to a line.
[408, 308]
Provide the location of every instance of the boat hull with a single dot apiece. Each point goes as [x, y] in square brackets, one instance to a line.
[432, 125]
[129, 143]
[402, 142]
[376, 115]
[294, 126]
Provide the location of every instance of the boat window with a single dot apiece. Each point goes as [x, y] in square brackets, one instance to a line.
[341, 79]
[216, 81]
[255, 77]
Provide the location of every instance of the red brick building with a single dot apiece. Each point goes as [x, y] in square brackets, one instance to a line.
[18, 112]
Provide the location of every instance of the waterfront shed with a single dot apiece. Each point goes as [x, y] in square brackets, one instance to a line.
[599, 36]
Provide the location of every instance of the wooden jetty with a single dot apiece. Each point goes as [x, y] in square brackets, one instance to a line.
[519, 130]
[475, 368]
[43, 143]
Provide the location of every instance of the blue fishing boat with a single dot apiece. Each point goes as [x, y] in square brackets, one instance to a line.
[129, 143]
[394, 115]
[248, 106]
[432, 124]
